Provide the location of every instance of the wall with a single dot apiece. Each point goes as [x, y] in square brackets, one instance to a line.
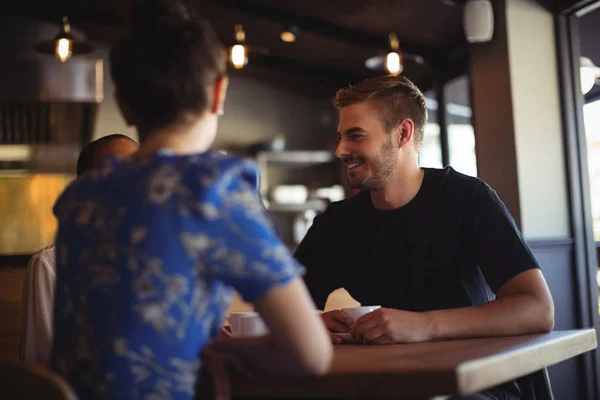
[556, 260]
[517, 118]
[10, 308]
[491, 97]
[28, 223]
[537, 120]
[518, 124]
[255, 110]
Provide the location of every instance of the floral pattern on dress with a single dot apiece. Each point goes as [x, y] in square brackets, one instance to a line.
[147, 257]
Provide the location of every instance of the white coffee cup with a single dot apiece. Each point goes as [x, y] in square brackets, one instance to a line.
[247, 324]
[253, 325]
[235, 321]
[356, 312]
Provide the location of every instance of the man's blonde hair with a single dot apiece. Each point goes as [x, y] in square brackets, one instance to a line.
[395, 97]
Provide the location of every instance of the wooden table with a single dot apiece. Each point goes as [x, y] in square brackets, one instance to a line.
[424, 369]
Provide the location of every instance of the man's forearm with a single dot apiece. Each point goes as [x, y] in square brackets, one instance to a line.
[517, 314]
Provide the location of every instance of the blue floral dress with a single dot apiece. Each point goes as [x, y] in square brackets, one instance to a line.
[147, 256]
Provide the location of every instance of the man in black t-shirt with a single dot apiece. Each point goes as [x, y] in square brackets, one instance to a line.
[438, 250]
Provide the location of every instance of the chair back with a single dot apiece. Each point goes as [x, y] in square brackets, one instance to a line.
[213, 381]
[536, 386]
[19, 380]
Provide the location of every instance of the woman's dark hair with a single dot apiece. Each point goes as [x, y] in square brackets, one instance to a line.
[164, 67]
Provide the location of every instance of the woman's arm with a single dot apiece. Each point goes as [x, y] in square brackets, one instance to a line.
[298, 343]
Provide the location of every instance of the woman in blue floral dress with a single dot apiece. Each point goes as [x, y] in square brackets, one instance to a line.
[149, 249]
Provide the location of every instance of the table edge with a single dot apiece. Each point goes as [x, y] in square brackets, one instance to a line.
[467, 380]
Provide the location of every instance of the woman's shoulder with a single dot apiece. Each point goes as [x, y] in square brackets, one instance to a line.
[222, 171]
[225, 162]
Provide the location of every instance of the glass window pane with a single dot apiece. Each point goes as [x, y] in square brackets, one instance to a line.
[591, 116]
[461, 136]
[430, 154]
[431, 150]
[461, 142]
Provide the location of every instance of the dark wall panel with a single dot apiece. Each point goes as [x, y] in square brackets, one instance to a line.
[556, 260]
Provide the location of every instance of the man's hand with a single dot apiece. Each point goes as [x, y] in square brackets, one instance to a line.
[387, 326]
[337, 321]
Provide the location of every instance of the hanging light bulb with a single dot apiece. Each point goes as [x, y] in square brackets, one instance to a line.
[290, 33]
[64, 42]
[238, 55]
[64, 49]
[64, 45]
[393, 61]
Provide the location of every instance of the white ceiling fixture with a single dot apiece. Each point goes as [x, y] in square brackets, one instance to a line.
[589, 74]
[478, 21]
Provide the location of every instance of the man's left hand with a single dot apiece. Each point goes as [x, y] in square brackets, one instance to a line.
[387, 326]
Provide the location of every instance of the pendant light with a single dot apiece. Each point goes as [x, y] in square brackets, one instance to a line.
[238, 55]
[290, 33]
[393, 60]
[64, 45]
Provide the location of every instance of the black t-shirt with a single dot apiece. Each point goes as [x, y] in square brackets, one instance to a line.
[453, 245]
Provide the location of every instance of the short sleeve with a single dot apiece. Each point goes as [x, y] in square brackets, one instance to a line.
[241, 246]
[500, 249]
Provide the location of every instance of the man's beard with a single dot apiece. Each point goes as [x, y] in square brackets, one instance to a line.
[382, 168]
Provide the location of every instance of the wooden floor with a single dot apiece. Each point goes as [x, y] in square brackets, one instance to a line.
[11, 280]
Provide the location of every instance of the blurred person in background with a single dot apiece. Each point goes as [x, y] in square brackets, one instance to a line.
[37, 301]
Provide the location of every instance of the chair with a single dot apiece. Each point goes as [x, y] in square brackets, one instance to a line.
[536, 386]
[31, 381]
[213, 381]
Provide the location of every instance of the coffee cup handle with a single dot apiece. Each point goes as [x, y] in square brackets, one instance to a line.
[225, 331]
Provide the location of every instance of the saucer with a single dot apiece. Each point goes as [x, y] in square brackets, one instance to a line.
[348, 338]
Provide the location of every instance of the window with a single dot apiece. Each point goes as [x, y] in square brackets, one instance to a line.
[461, 142]
[591, 116]
[461, 136]
[430, 154]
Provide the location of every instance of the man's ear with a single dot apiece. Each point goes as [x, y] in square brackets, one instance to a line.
[404, 132]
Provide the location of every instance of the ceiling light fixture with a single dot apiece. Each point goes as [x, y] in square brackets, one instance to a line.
[290, 33]
[378, 62]
[238, 54]
[393, 60]
[478, 21]
[589, 73]
[64, 45]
